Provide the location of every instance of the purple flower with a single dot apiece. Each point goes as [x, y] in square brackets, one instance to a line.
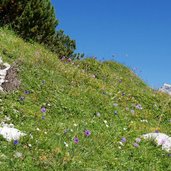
[76, 140]
[156, 131]
[115, 112]
[132, 111]
[22, 98]
[169, 155]
[87, 133]
[115, 104]
[43, 109]
[139, 107]
[123, 140]
[136, 145]
[16, 142]
[63, 58]
[27, 92]
[65, 131]
[69, 60]
[43, 81]
[123, 94]
[138, 140]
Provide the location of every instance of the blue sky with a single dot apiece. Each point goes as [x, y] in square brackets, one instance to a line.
[136, 32]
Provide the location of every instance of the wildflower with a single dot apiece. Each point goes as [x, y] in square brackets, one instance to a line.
[16, 142]
[31, 136]
[63, 58]
[37, 129]
[69, 60]
[138, 140]
[27, 92]
[144, 120]
[93, 76]
[115, 112]
[139, 107]
[169, 155]
[87, 133]
[65, 131]
[123, 140]
[121, 143]
[115, 104]
[22, 98]
[156, 131]
[136, 145]
[132, 111]
[43, 109]
[123, 94]
[43, 81]
[75, 125]
[127, 109]
[29, 145]
[76, 140]
[105, 121]
[98, 114]
[66, 145]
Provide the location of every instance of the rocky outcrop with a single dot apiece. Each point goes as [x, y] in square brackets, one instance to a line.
[166, 88]
[160, 139]
[4, 67]
[8, 76]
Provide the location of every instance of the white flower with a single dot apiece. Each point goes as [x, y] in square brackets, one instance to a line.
[105, 121]
[66, 145]
[31, 136]
[18, 154]
[115, 104]
[75, 125]
[121, 143]
[37, 129]
[144, 120]
[29, 145]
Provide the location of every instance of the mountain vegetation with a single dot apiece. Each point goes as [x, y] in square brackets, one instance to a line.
[79, 115]
[35, 20]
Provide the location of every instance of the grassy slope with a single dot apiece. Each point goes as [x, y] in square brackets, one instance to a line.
[72, 98]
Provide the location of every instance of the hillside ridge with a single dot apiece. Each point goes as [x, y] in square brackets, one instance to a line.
[79, 114]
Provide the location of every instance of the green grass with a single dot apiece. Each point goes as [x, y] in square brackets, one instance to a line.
[73, 93]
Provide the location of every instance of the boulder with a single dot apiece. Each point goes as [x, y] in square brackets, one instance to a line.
[166, 88]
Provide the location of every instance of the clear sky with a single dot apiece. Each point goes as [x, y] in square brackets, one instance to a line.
[136, 32]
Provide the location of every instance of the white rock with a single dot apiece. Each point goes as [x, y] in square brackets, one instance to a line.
[160, 139]
[166, 89]
[3, 73]
[10, 133]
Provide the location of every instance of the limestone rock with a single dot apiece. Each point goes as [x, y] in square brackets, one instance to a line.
[166, 88]
[160, 139]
